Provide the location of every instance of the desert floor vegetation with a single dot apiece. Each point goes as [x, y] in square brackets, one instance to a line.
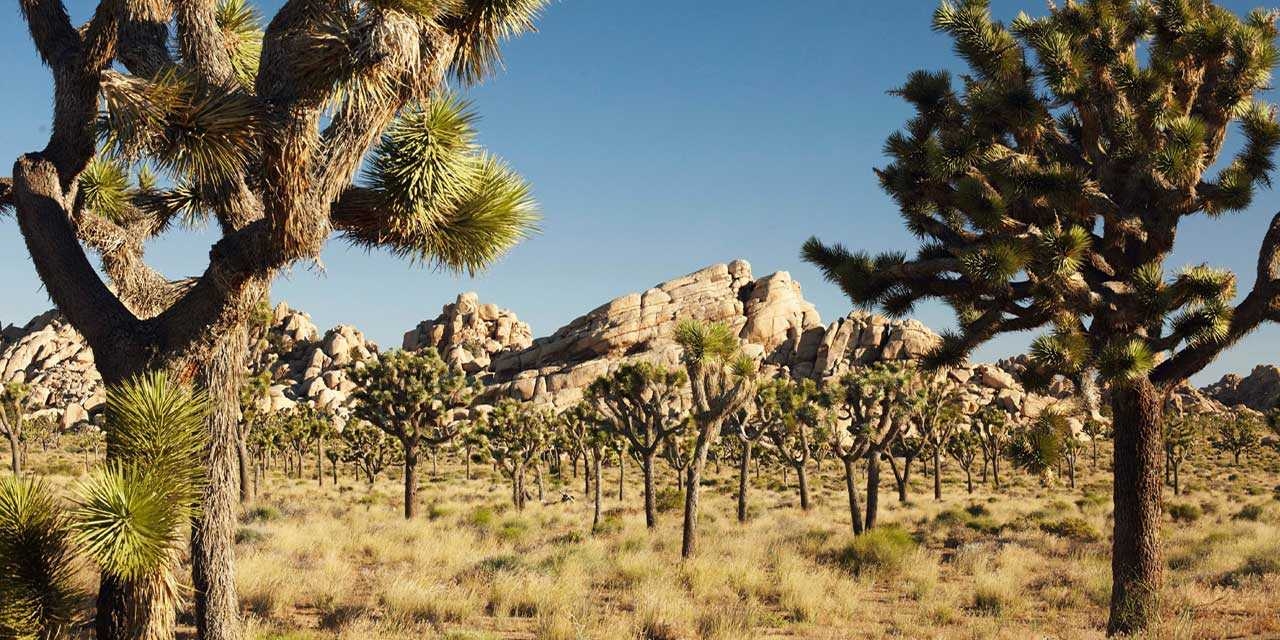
[1027, 561]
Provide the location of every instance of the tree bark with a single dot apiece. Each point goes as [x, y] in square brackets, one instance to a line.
[320, 461]
[650, 509]
[410, 481]
[744, 468]
[937, 473]
[15, 456]
[622, 467]
[693, 483]
[851, 486]
[213, 539]
[1136, 565]
[246, 470]
[802, 476]
[595, 471]
[873, 488]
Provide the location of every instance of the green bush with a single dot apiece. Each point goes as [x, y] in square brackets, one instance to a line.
[882, 550]
[247, 535]
[482, 517]
[1254, 566]
[1250, 513]
[261, 513]
[1184, 512]
[667, 499]
[1072, 528]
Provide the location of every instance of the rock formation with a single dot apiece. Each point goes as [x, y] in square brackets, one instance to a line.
[1260, 390]
[468, 334]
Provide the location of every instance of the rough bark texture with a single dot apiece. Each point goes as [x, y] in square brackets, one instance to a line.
[15, 453]
[802, 477]
[650, 509]
[1136, 564]
[873, 488]
[410, 481]
[851, 487]
[212, 541]
[744, 468]
[937, 473]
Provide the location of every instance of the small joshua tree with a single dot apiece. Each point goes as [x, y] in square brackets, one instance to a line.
[993, 427]
[1181, 433]
[871, 406]
[517, 433]
[13, 413]
[367, 447]
[1098, 430]
[964, 447]
[721, 380]
[415, 398]
[794, 417]
[935, 412]
[1237, 434]
[255, 400]
[643, 405]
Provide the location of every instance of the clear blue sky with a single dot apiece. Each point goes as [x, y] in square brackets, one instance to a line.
[660, 137]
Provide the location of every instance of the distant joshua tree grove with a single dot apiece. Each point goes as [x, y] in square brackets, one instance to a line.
[1048, 188]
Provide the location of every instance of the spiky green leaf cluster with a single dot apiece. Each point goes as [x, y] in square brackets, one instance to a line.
[39, 592]
[440, 198]
[241, 27]
[481, 26]
[706, 342]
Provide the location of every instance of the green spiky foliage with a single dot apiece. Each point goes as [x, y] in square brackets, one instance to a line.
[40, 595]
[643, 405]
[797, 419]
[1047, 184]
[437, 197]
[935, 410]
[1039, 448]
[1237, 434]
[482, 25]
[132, 516]
[516, 434]
[241, 27]
[416, 398]
[367, 447]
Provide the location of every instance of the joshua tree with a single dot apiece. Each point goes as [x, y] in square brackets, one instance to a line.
[992, 424]
[870, 407]
[642, 404]
[591, 435]
[722, 380]
[747, 429]
[1048, 190]
[366, 447]
[264, 132]
[1181, 432]
[794, 417]
[1097, 430]
[13, 413]
[935, 412]
[415, 398]
[255, 401]
[1237, 434]
[517, 434]
[963, 447]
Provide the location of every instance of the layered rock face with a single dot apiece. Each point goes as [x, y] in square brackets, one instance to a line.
[308, 367]
[1260, 390]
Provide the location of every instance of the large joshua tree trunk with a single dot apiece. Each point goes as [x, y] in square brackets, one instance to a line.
[1136, 566]
[851, 486]
[212, 541]
[744, 468]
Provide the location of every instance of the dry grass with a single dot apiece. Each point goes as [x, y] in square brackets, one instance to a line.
[1026, 562]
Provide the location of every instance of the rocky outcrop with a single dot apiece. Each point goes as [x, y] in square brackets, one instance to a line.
[468, 334]
[1260, 390]
[306, 366]
[52, 359]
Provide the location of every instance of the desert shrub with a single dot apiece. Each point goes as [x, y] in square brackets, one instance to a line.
[1184, 512]
[977, 510]
[512, 529]
[1250, 513]
[667, 499]
[261, 513]
[435, 511]
[1255, 566]
[882, 550]
[248, 535]
[502, 563]
[1072, 528]
[482, 517]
